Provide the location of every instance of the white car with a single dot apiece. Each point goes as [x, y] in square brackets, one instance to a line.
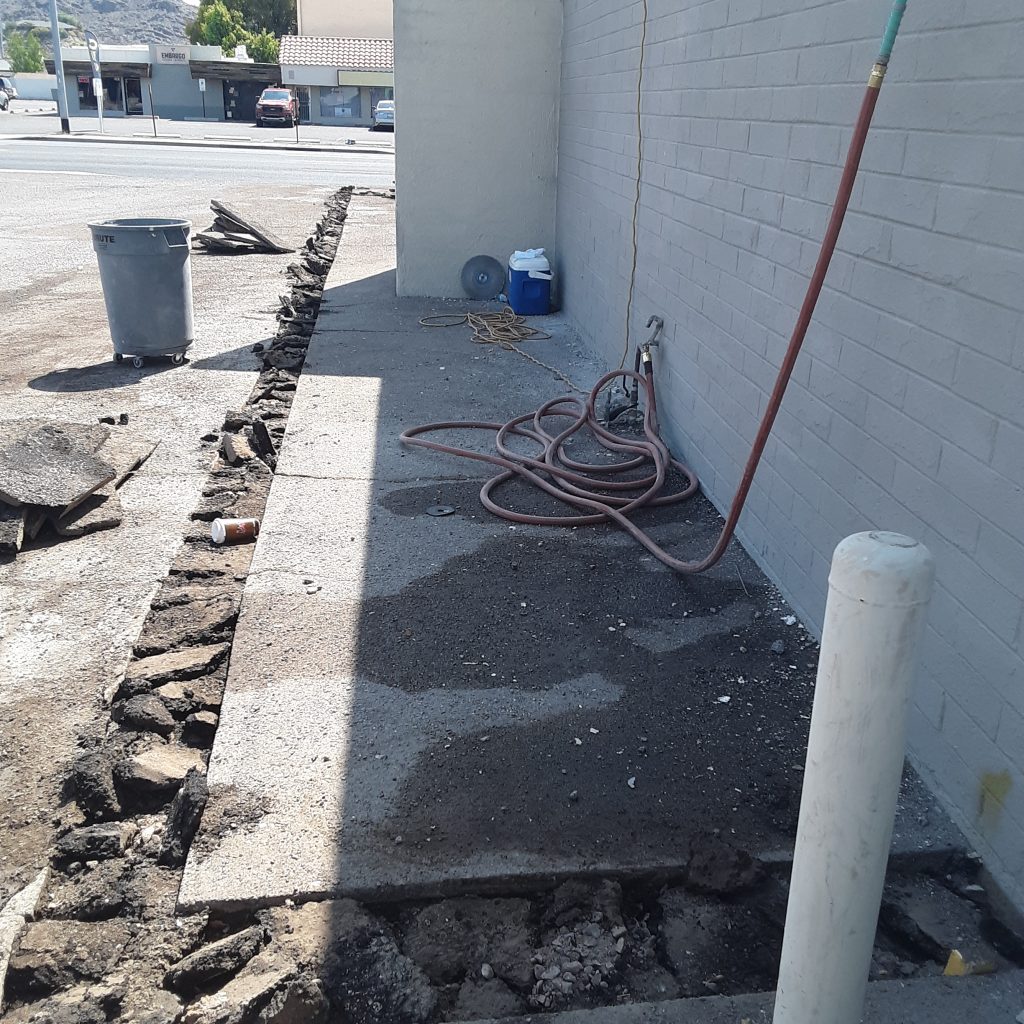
[384, 115]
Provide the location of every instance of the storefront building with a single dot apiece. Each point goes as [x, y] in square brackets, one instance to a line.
[338, 80]
[176, 81]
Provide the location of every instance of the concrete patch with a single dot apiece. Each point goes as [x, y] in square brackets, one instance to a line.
[418, 704]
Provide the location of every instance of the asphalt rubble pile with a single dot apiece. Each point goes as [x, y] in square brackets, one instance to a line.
[64, 476]
[716, 928]
[235, 232]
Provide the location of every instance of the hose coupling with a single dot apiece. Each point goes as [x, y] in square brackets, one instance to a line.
[876, 76]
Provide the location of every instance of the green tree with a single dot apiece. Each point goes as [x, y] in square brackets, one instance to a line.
[24, 52]
[231, 22]
[217, 24]
[263, 47]
[274, 16]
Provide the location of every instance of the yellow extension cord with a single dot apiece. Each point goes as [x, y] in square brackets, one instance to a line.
[504, 329]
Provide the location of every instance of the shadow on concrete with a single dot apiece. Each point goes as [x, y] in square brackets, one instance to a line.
[242, 358]
[458, 703]
[530, 702]
[103, 376]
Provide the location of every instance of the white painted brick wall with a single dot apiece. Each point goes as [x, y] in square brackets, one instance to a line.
[906, 410]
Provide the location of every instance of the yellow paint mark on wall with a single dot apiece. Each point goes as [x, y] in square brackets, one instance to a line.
[995, 787]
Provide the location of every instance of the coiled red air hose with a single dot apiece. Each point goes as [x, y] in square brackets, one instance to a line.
[595, 489]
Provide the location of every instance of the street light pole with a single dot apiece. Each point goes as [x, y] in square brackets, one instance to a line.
[58, 67]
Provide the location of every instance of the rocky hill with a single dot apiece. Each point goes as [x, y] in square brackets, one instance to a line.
[113, 21]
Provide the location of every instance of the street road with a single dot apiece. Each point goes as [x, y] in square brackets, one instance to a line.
[195, 164]
[70, 612]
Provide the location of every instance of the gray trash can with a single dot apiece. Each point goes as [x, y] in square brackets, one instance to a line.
[147, 285]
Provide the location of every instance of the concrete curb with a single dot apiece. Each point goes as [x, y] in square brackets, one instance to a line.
[308, 147]
[993, 999]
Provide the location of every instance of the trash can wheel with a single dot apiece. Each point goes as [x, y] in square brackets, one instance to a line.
[138, 362]
[118, 357]
[178, 358]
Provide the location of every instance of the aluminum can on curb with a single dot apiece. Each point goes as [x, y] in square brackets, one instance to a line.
[234, 531]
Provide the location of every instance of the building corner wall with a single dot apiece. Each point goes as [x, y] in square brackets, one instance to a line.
[476, 91]
[362, 19]
[905, 408]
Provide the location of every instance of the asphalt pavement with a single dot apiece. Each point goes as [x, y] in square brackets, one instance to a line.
[35, 117]
[70, 611]
[211, 163]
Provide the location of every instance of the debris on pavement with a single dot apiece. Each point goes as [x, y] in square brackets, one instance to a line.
[379, 193]
[112, 939]
[64, 474]
[234, 531]
[233, 231]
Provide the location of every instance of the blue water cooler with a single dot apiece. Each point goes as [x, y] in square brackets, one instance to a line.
[529, 283]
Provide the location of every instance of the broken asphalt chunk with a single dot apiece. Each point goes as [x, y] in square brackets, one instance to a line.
[219, 959]
[183, 818]
[94, 842]
[53, 465]
[188, 663]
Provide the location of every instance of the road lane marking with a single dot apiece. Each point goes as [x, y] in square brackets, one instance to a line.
[78, 174]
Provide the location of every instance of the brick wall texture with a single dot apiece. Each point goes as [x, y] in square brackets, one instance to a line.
[906, 410]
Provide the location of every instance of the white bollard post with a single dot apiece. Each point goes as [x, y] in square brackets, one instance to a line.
[878, 592]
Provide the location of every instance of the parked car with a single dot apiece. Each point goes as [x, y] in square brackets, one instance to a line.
[277, 105]
[7, 86]
[4, 100]
[384, 115]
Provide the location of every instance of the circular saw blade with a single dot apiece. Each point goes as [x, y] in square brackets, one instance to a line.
[483, 277]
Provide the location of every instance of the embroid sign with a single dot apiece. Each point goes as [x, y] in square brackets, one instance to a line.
[171, 55]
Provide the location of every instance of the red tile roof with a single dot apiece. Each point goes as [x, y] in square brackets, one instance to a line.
[337, 52]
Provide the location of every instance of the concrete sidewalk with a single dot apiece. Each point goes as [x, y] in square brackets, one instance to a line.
[278, 145]
[985, 1000]
[420, 704]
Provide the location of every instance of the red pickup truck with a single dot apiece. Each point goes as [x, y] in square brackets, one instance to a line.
[277, 105]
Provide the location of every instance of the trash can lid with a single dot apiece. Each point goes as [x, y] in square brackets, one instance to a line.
[141, 223]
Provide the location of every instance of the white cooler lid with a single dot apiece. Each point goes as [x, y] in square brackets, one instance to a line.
[529, 259]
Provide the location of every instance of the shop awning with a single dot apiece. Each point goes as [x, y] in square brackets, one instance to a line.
[113, 68]
[237, 71]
